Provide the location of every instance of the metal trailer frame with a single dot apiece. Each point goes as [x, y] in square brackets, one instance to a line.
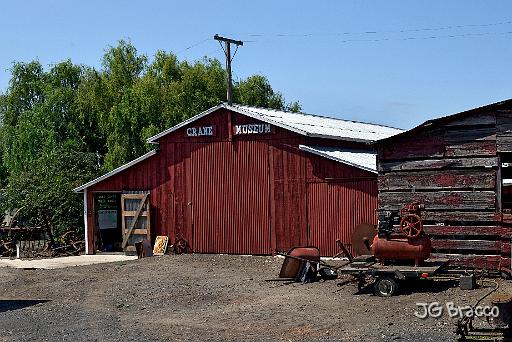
[387, 278]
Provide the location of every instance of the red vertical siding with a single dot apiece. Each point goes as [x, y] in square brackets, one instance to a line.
[252, 195]
[288, 186]
[335, 209]
[230, 194]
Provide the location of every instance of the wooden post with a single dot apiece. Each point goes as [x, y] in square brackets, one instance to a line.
[227, 52]
[228, 72]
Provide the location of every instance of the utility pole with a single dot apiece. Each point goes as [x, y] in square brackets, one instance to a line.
[227, 52]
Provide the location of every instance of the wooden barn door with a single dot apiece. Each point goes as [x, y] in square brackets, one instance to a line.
[135, 210]
[230, 197]
[335, 209]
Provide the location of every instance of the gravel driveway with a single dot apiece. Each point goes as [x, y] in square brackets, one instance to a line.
[209, 297]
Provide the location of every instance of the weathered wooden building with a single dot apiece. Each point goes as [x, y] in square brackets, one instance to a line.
[460, 168]
[242, 180]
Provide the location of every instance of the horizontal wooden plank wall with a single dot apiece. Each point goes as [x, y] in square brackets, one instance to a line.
[504, 131]
[452, 167]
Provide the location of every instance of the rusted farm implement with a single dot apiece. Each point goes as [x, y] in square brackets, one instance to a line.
[387, 258]
[17, 239]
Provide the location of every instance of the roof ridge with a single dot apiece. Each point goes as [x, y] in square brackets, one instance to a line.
[476, 110]
[314, 115]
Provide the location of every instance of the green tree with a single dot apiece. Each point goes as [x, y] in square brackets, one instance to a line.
[46, 187]
[256, 91]
[24, 93]
[64, 126]
[44, 150]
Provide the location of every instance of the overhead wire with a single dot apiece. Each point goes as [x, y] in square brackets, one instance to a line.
[462, 35]
[194, 45]
[371, 40]
[439, 28]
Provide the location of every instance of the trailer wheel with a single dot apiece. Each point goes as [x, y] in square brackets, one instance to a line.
[386, 287]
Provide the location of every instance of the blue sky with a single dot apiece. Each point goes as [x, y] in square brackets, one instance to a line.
[388, 62]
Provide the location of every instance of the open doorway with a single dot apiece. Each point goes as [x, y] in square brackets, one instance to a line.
[107, 213]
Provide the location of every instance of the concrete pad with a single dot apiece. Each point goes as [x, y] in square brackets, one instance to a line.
[62, 262]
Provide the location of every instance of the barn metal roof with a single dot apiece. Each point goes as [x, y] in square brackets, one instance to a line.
[301, 123]
[505, 104]
[117, 170]
[305, 124]
[362, 159]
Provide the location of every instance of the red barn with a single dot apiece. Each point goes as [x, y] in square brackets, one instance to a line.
[241, 180]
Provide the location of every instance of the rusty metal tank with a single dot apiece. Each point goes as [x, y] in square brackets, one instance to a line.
[399, 247]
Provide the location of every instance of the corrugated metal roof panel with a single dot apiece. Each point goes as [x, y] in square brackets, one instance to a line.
[363, 159]
[319, 126]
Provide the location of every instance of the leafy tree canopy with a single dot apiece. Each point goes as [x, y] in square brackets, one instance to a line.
[63, 126]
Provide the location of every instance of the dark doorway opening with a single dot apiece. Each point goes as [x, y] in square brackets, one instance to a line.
[107, 212]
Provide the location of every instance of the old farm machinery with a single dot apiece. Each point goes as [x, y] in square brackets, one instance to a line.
[387, 257]
[18, 239]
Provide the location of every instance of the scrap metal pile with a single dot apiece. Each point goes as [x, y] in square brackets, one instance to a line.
[385, 257]
[20, 240]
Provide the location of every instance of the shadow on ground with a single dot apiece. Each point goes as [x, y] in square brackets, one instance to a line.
[423, 286]
[407, 287]
[15, 304]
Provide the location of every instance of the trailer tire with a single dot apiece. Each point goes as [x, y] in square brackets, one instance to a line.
[386, 287]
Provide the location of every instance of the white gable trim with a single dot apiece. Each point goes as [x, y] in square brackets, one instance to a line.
[153, 139]
[117, 170]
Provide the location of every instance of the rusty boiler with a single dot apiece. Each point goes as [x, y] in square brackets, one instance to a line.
[410, 245]
[399, 247]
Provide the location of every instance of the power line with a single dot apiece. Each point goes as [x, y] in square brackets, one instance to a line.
[462, 35]
[194, 45]
[439, 28]
[422, 29]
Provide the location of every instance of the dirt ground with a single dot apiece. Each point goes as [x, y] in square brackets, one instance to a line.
[210, 297]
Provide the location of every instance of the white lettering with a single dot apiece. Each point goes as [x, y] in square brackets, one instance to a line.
[424, 314]
[467, 311]
[200, 131]
[452, 310]
[192, 132]
[435, 310]
[253, 129]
